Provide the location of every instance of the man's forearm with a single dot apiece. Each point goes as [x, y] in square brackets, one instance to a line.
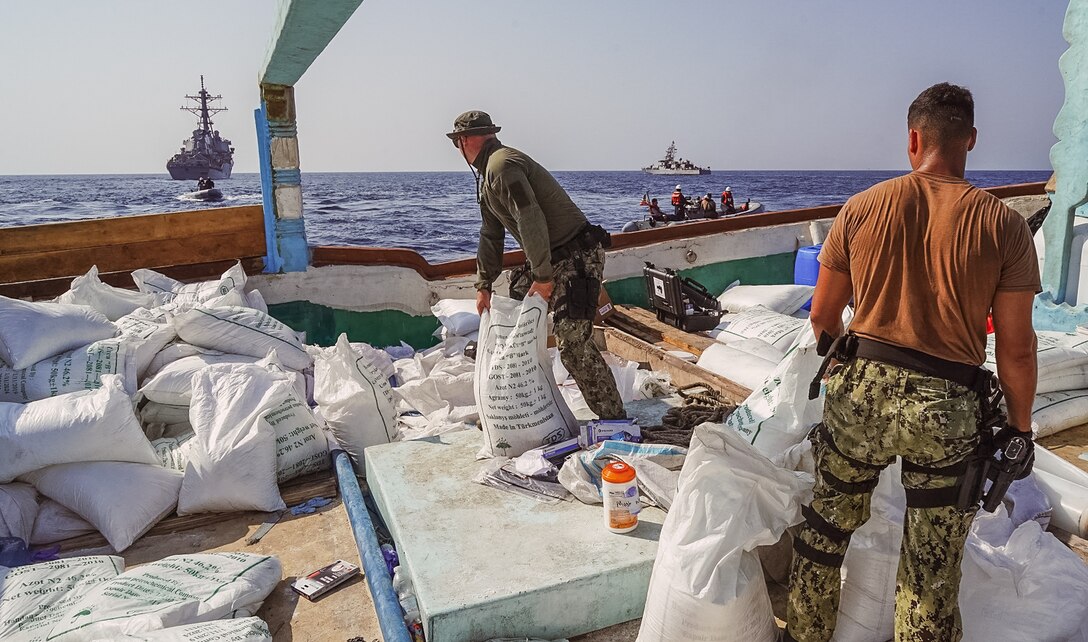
[1018, 376]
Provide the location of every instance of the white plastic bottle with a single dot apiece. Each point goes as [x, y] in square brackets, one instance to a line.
[620, 493]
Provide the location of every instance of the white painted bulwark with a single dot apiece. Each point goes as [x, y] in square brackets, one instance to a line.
[288, 201]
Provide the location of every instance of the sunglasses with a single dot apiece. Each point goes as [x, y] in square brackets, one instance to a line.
[456, 142]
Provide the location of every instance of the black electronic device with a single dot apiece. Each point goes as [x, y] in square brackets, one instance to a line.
[680, 301]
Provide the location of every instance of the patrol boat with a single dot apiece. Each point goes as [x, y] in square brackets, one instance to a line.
[670, 165]
[205, 153]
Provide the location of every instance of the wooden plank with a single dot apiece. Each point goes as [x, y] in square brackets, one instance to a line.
[105, 232]
[682, 372]
[644, 324]
[130, 255]
[294, 492]
[49, 288]
[1069, 445]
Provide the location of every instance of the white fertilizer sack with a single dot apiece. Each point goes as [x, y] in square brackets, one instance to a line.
[246, 629]
[784, 299]
[354, 398]
[33, 332]
[174, 351]
[458, 316]
[55, 523]
[1020, 583]
[150, 333]
[173, 384]
[121, 500]
[519, 403]
[242, 331]
[749, 362]
[232, 462]
[175, 591]
[18, 510]
[75, 370]
[707, 583]
[1054, 412]
[301, 447]
[173, 452]
[114, 303]
[95, 425]
[779, 330]
[171, 290]
[35, 597]
[779, 413]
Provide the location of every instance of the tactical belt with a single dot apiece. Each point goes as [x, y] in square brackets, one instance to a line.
[590, 237]
[974, 378]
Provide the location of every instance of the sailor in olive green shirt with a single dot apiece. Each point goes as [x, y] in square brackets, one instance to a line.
[564, 251]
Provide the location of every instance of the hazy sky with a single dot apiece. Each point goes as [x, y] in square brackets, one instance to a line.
[94, 87]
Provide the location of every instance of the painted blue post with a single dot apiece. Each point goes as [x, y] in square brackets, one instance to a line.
[272, 260]
[281, 179]
[386, 604]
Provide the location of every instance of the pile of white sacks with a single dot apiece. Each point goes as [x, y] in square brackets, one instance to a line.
[743, 483]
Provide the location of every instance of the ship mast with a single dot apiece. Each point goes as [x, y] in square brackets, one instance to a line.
[670, 153]
[204, 112]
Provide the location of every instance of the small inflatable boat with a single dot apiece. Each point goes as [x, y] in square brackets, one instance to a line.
[212, 194]
[646, 223]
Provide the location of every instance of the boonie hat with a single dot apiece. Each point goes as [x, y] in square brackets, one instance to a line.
[473, 123]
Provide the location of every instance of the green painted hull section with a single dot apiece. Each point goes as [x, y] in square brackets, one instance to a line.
[381, 328]
[761, 270]
[323, 324]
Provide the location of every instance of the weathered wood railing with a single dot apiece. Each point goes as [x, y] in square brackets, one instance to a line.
[40, 260]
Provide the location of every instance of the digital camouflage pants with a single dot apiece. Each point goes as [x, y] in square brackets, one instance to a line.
[574, 336]
[873, 412]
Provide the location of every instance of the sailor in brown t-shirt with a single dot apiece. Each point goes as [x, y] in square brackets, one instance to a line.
[926, 258]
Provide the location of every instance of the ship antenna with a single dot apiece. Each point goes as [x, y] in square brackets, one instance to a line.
[203, 112]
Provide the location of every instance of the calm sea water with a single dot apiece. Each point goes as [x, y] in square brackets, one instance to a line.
[434, 213]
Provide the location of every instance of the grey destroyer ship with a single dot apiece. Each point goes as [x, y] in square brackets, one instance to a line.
[670, 165]
[205, 153]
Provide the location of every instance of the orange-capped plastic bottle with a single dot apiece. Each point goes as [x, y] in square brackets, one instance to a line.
[620, 494]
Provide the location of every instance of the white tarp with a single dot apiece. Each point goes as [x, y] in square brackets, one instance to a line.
[33, 332]
[519, 403]
[95, 425]
[707, 583]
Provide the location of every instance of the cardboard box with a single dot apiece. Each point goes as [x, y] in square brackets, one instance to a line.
[605, 308]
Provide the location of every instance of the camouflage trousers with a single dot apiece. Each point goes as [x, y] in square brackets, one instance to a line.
[574, 336]
[873, 412]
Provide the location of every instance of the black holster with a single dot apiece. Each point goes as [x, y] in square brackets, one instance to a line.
[579, 302]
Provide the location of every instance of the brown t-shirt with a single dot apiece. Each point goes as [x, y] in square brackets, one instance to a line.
[926, 253]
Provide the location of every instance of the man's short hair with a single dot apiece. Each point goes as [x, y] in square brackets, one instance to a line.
[944, 113]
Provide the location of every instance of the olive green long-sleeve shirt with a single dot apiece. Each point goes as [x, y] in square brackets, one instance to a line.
[519, 195]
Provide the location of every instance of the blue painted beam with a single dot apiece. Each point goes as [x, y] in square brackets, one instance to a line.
[272, 260]
[386, 604]
[303, 29]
